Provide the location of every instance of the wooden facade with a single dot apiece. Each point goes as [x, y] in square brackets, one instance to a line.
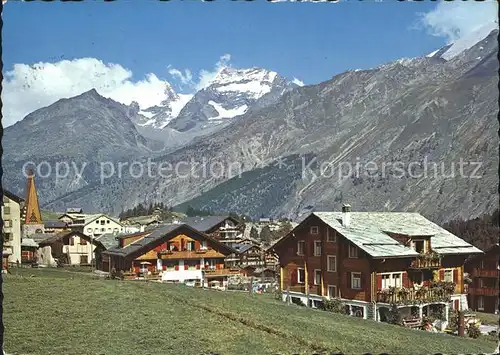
[484, 271]
[317, 260]
[179, 254]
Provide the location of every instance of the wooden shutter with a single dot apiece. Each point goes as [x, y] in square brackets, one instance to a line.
[379, 282]
[441, 274]
[196, 245]
[362, 280]
[186, 267]
[410, 281]
[455, 276]
[405, 279]
[293, 277]
[348, 279]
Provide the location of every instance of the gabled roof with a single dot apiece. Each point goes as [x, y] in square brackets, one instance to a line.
[12, 196]
[74, 210]
[206, 223]
[241, 248]
[369, 231]
[57, 237]
[142, 220]
[158, 234]
[55, 224]
[495, 248]
[28, 242]
[108, 240]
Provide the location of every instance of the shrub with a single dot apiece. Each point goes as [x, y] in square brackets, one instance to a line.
[473, 331]
[334, 305]
[394, 315]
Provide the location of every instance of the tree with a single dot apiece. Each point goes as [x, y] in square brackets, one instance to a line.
[254, 233]
[266, 235]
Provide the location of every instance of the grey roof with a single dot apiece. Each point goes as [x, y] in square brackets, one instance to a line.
[204, 224]
[28, 242]
[108, 240]
[241, 248]
[368, 231]
[12, 196]
[38, 237]
[155, 234]
[142, 220]
[55, 224]
[74, 210]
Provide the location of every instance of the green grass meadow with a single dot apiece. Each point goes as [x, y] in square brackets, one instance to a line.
[54, 311]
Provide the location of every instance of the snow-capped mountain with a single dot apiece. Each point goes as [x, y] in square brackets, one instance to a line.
[232, 92]
[157, 117]
[453, 49]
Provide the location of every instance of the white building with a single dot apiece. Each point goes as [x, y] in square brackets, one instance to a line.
[12, 206]
[74, 246]
[92, 225]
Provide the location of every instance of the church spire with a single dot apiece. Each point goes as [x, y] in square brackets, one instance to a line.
[32, 209]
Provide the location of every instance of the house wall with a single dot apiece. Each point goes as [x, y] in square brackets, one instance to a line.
[11, 215]
[80, 247]
[97, 228]
[345, 266]
[484, 289]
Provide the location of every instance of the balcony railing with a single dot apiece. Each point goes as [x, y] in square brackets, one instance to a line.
[438, 293]
[221, 272]
[484, 291]
[485, 273]
[426, 261]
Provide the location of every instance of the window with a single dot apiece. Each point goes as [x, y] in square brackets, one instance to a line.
[103, 222]
[481, 283]
[190, 246]
[448, 275]
[330, 236]
[301, 275]
[7, 236]
[332, 291]
[353, 251]
[96, 230]
[6, 210]
[103, 229]
[7, 223]
[5, 199]
[84, 259]
[356, 280]
[396, 280]
[89, 230]
[203, 245]
[107, 221]
[317, 277]
[314, 230]
[386, 281]
[419, 246]
[331, 264]
[300, 247]
[97, 221]
[83, 241]
[317, 247]
[480, 303]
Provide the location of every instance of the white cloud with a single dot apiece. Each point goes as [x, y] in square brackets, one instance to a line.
[205, 77]
[27, 88]
[455, 20]
[298, 82]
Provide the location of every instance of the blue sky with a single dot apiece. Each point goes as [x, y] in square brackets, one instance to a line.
[310, 41]
[146, 38]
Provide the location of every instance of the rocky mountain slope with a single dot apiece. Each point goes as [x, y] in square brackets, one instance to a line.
[421, 132]
[232, 93]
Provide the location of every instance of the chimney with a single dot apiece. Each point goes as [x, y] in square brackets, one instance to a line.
[346, 215]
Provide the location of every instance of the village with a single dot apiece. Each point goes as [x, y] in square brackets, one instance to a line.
[389, 267]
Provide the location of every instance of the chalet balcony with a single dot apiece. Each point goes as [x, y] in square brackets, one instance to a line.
[426, 261]
[437, 292]
[190, 254]
[313, 289]
[485, 273]
[483, 291]
[221, 272]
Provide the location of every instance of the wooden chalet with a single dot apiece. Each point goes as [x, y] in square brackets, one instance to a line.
[484, 270]
[172, 253]
[246, 255]
[226, 229]
[373, 260]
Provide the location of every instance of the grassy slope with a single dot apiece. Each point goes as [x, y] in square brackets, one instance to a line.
[73, 313]
[50, 216]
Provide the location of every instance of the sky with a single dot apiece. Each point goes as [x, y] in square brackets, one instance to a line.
[128, 50]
